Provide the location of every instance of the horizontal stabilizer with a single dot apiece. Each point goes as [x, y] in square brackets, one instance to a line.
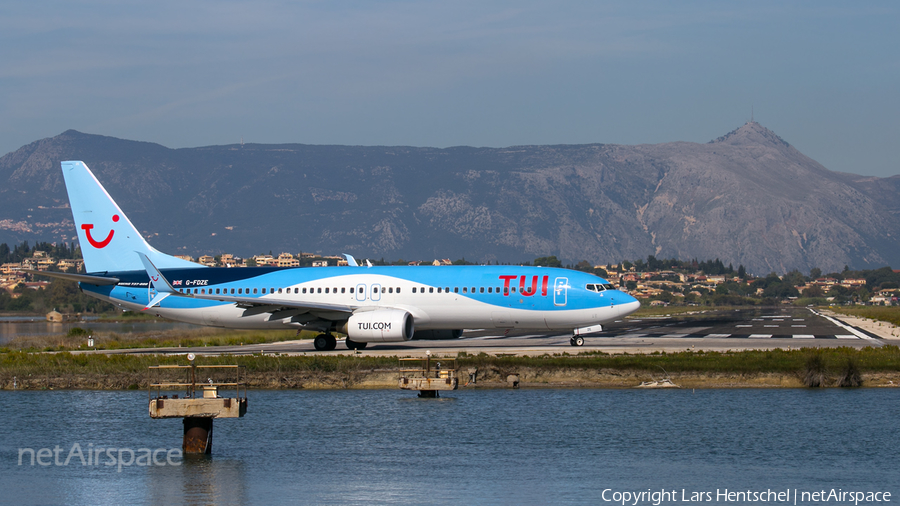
[81, 278]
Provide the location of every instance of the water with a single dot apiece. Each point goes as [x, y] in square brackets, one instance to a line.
[471, 447]
[12, 327]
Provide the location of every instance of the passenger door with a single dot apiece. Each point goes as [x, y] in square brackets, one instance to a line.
[360, 292]
[560, 291]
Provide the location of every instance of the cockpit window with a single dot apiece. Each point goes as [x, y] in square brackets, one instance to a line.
[598, 287]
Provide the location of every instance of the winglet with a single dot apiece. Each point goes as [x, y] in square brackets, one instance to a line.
[159, 282]
[368, 263]
[350, 260]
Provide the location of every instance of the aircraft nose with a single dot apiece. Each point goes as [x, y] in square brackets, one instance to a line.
[629, 307]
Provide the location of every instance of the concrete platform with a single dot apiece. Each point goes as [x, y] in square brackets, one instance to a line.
[205, 408]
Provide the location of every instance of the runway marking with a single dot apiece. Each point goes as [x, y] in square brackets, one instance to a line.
[774, 326]
[743, 325]
[719, 335]
[760, 336]
[798, 326]
[844, 336]
[804, 336]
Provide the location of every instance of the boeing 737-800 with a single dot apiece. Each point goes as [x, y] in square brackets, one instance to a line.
[370, 304]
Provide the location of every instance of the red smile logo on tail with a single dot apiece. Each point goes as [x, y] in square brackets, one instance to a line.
[99, 244]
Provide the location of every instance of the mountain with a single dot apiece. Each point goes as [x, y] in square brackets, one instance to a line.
[747, 198]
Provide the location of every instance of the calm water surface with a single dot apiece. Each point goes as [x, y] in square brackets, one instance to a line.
[35, 326]
[471, 447]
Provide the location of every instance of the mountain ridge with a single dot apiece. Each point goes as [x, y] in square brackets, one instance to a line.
[748, 197]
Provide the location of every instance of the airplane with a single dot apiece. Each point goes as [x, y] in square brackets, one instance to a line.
[369, 304]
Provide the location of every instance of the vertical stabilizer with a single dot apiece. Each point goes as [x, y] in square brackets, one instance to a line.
[108, 240]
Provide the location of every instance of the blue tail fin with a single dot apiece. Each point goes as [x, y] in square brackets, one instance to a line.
[108, 240]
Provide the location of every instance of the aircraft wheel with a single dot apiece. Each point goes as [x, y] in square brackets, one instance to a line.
[572, 340]
[332, 342]
[353, 345]
[321, 342]
[578, 341]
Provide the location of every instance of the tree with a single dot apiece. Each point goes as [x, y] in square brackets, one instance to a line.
[584, 266]
[815, 273]
[550, 261]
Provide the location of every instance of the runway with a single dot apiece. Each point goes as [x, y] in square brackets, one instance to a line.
[708, 330]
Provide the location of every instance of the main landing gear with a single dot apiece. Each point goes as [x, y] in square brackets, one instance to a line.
[324, 342]
[353, 345]
[327, 342]
[576, 341]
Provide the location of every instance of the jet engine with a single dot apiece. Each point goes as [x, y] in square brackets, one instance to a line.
[435, 335]
[381, 326]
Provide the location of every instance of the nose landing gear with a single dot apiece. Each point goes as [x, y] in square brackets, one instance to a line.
[576, 341]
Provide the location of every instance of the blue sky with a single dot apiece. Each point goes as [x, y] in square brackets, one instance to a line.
[823, 75]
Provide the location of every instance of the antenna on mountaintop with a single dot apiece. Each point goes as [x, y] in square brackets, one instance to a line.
[751, 113]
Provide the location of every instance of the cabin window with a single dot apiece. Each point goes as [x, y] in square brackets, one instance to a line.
[279, 290]
[343, 289]
[390, 290]
[513, 289]
[351, 289]
[481, 289]
[430, 289]
[319, 291]
[203, 290]
[447, 289]
[497, 289]
[489, 289]
[326, 289]
[455, 289]
[465, 290]
[398, 289]
[439, 289]
[254, 291]
[414, 290]
[217, 291]
[334, 290]
[505, 290]
[263, 291]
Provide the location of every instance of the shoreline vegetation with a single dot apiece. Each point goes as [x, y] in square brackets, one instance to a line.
[830, 367]
[45, 362]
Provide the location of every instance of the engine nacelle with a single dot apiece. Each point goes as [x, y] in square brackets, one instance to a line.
[381, 326]
[435, 335]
